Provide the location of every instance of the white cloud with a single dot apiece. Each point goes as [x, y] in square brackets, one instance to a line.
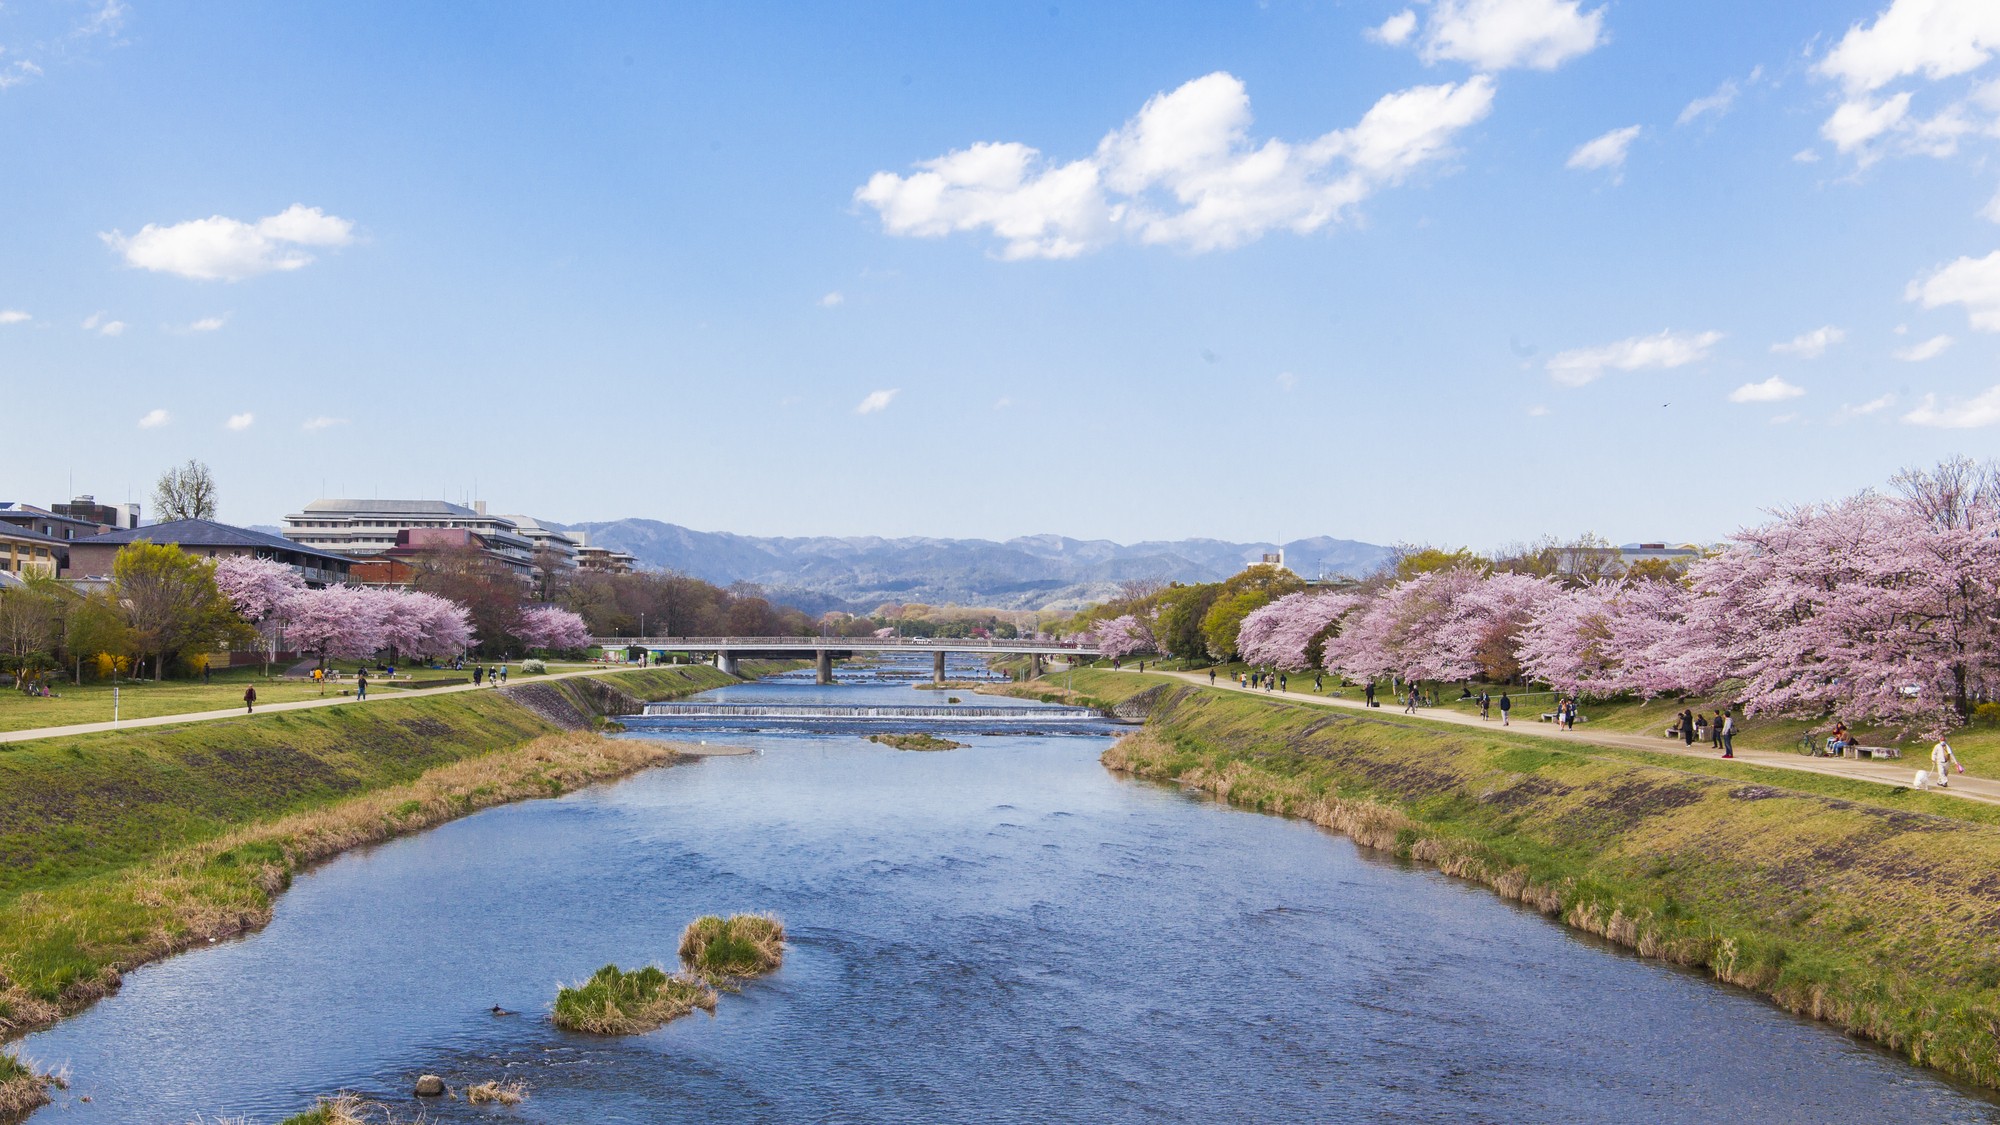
[1718, 103]
[1929, 349]
[14, 316]
[1183, 171]
[1395, 30]
[1287, 380]
[1991, 212]
[1872, 406]
[154, 419]
[1538, 411]
[1774, 389]
[322, 422]
[1860, 120]
[832, 299]
[219, 248]
[1607, 151]
[98, 323]
[240, 421]
[1811, 345]
[1667, 350]
[1980, 410]
[1500, 34]
[1972, 282]
[1002, 403]
[108, 18]
[876, 402]
[1935, 38]
[14, 73]
[1931, 39]
[209, 323]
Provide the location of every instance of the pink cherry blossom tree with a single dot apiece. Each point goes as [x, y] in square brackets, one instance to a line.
[259, 589]
[1481, 630]
[343, 622]
[1401, 631]
[549, 627]
[1122, 636]
[1289, 632]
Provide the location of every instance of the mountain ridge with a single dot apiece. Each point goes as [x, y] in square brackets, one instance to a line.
[859, 572]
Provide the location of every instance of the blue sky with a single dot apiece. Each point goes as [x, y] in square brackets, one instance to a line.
[1515, 266]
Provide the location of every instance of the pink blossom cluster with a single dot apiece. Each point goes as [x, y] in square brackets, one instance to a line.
[547, 626]
[1122, 636]
[1282, 634]
[351, 622]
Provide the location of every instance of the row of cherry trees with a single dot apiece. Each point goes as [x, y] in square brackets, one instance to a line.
[352, 622]
[1882, 607]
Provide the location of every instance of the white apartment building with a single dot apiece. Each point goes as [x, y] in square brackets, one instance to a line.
[546, 538]
[368, 527]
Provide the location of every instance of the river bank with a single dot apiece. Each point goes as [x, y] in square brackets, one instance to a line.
[125, 847]
[1857, 909]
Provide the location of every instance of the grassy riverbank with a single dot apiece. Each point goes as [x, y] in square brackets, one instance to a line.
[1869, 907]
[123, 847]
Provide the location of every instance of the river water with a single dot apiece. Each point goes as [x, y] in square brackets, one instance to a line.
[1000, 933]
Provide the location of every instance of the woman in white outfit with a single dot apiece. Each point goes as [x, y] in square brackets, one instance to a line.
[1944, 759]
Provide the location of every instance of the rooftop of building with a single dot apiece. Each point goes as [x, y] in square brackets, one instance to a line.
[204, 533]
[390, 507]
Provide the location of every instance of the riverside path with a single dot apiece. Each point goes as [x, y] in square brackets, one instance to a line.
[1986, 790]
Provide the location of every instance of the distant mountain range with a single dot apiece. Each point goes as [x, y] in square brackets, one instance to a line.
[858, 573]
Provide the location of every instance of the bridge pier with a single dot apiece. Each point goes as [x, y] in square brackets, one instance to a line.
[823, 674]
[726, 660]
[937, 668]
[1034, 664]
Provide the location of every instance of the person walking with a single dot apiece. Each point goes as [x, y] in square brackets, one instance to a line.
[1211, 677]
[478, 674]
[1728, 735]
[1944, 759]
[1485, 706]
[1715, 730]
[1371, 693]
[1317, 681]
[250, 699]
[1687, 727]
[361, 685]
[1506, 710]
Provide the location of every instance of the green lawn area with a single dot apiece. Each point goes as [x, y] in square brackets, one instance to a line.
[141, 699]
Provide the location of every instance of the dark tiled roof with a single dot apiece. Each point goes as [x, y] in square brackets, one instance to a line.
[204, 533]
[16, 531]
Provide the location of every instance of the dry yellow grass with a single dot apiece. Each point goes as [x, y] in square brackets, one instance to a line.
[102, 926]
[720, 950]
[497, 1093]
[616, 1002]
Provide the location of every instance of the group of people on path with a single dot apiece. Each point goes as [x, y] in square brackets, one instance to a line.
[1718, 730]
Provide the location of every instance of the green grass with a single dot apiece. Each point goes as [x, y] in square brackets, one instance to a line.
[144, 699]
[1856, 903]
[722, 950]
[616, 1002]
[916, 742]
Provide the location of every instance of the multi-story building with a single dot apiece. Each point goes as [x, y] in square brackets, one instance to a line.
[42, 521]
[547, 540]
[368, 528]
[111, 517]
[93, 557]
[25, 553]
[418, 546]
[602, 560]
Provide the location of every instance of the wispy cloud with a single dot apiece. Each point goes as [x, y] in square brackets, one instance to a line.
[876, 402]
[1287, 380]
[240, 421]
[225, 249]
[97, 322]
[1872, 406]
[1957, 414]
[1928, 349]
[1579, 366]
[1774, 389]
[320, 423]
[1603, 153]
[14, 316]
[154, 419]
[209, 323]
[833, 300]
[1811, 345]
[1538, 411]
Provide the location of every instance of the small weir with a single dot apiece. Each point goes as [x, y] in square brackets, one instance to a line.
[860, 713]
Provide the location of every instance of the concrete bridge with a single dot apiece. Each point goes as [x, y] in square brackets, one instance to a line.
[823, 651]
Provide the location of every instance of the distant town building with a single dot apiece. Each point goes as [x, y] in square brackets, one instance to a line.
[364, 528]
[1629, 553]
[111, 517]
[25, 553]
[547, 540]
[93, 557]
[398, 566]
[42, 521]
[601, 560]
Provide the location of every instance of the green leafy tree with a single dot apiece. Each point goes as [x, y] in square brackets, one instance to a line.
[1413, 561]
[172, 604]
[96, 628]
[1181, 610]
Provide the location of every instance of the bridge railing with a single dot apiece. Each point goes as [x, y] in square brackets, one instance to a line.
[950, 644]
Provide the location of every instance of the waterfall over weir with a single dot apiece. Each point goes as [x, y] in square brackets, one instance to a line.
[862, 713]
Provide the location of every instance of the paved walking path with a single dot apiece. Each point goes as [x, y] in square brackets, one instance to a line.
[1525, 723]
[295, 705]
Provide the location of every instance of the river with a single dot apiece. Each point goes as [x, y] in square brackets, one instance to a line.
[1001, 933]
